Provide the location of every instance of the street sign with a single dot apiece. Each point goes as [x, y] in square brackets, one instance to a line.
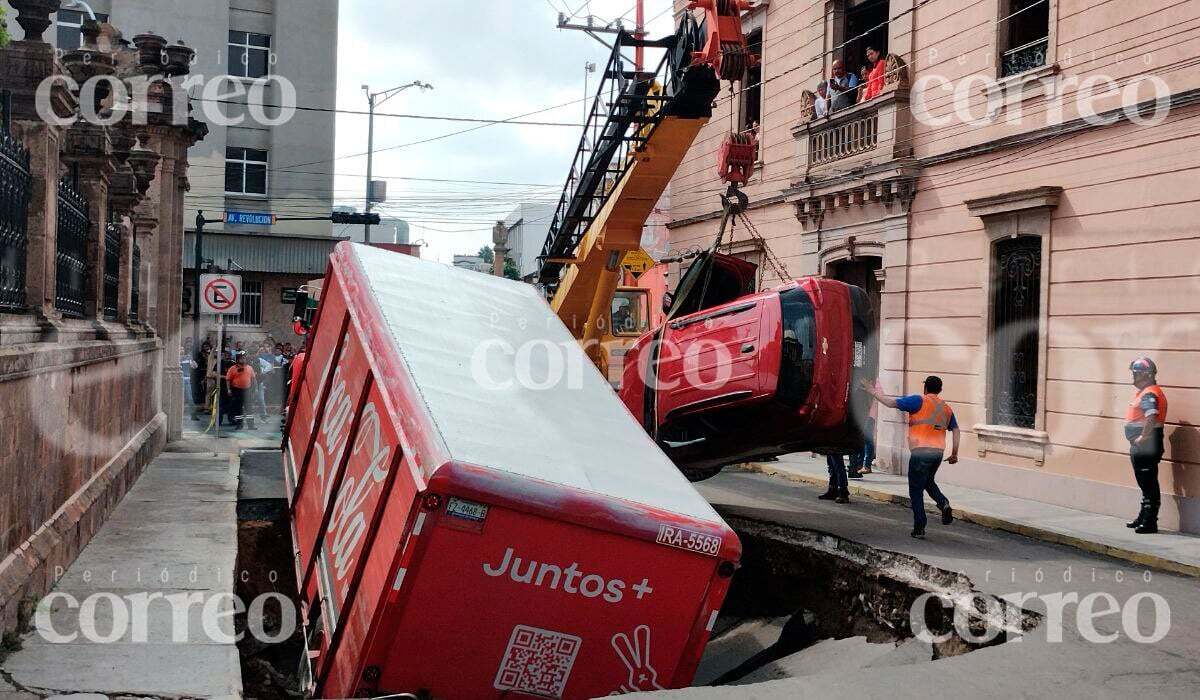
[637, 262]
[221, 294]
[249, 218]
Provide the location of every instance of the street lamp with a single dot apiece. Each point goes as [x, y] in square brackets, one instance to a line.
[375, 99]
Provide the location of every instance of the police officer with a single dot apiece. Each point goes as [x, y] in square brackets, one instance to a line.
[1144, 421]
[929, 417]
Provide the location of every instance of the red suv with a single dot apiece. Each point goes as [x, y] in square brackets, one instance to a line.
[744, 376]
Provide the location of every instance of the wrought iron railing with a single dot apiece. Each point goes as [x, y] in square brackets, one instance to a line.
[1023, 58]
[843, 140]
[112, 270]
[14, 213]
[628, 107]
[135, 284]
[70, 294]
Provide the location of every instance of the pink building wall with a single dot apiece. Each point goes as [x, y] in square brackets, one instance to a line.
[1114, 206]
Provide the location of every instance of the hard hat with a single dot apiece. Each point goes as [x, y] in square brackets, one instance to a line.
[1143, 364]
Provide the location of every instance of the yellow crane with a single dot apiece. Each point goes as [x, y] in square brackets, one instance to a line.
[641, 126]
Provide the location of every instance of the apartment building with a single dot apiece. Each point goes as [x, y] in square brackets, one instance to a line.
[1014, 190]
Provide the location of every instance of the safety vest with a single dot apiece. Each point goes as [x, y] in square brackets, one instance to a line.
[927, 427]
[1134, 414]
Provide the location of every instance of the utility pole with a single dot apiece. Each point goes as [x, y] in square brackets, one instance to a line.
[375, 99]
[594, 30]
[200, 267]
[499, 248]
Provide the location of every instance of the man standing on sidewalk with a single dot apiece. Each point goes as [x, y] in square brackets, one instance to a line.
[1144, 421]
[929, 417]
[239, 378]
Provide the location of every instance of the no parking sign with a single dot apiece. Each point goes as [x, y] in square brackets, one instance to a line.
[221, 294]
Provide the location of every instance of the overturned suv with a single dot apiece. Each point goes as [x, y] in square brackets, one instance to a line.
[736, 376]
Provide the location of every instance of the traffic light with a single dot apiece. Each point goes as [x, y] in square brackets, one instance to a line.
[345, 217]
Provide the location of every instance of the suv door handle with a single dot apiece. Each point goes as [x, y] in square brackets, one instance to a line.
[747, 348]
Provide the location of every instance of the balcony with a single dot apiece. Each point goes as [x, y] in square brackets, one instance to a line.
[870, 133]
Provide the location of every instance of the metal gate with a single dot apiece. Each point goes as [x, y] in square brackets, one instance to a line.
[1016, 306]
[14, 213]
[70, 293]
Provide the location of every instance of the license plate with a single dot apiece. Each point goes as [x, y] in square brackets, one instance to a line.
[686, 539]
[467, 510]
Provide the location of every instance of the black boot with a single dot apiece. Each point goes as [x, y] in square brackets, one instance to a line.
[828, 495]
[1148, 527]
[1141, 517]
[843, 497]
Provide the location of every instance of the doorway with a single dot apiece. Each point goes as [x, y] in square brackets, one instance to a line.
[862, 273]
[869, 18]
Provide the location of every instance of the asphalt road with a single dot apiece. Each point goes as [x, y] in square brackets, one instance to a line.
[1110, 662]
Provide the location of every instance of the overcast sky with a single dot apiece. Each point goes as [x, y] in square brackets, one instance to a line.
[486, 59]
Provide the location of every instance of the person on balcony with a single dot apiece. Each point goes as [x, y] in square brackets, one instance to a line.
[821, 106]
[874, 80]
[843, 87]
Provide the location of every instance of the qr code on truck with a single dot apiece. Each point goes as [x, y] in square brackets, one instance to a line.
[537, 662]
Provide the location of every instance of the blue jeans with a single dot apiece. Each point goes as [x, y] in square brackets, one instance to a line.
[922, 468]
[837, 473]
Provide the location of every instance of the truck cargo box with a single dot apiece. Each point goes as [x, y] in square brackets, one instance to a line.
[475, 513]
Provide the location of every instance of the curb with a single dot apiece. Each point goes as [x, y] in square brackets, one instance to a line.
[994, 523]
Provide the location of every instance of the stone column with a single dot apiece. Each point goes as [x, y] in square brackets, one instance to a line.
[125, 286]
[89, 147]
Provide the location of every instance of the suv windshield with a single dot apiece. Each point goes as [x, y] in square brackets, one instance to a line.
[799, 346]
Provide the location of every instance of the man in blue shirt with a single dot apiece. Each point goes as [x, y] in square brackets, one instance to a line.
[929, 417]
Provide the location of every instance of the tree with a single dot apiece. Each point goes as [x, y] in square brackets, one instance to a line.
[487, 254]
[4, 38]
[510, 269]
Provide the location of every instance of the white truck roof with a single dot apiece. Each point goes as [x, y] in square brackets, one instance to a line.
[510, 389]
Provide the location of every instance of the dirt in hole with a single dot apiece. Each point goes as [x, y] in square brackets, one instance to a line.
[797, 588]
[269, 670]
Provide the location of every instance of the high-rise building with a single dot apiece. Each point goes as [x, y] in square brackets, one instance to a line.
[246, 52]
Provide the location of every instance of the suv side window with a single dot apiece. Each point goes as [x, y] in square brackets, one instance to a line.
[799, 346]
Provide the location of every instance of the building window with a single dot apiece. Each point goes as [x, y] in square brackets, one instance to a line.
[251, 305]
[1024, 35]
[249, 54]
[1016, 310]
[245, 171]
[750, 111]
[70, 28]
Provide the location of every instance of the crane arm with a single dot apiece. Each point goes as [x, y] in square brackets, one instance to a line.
[641, 128]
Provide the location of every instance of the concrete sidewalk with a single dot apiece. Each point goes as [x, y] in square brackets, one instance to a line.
[1100, 534]
[173, 537]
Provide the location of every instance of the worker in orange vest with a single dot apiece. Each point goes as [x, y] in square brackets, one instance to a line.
[929, 417]
[1144, 421]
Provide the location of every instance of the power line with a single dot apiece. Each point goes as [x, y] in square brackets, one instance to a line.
[362, 113]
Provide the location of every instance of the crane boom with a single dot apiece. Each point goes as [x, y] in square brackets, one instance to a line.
[641, 126]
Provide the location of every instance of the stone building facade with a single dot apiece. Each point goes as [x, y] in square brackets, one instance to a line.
[1018, 201]
[90, 290]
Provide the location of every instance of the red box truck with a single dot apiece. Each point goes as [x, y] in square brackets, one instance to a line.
[475, 513]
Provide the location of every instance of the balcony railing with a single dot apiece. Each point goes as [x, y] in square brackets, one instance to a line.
[14, 214]
[70, 293]
[844, 140]
[875, 131]
[1024, 58]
